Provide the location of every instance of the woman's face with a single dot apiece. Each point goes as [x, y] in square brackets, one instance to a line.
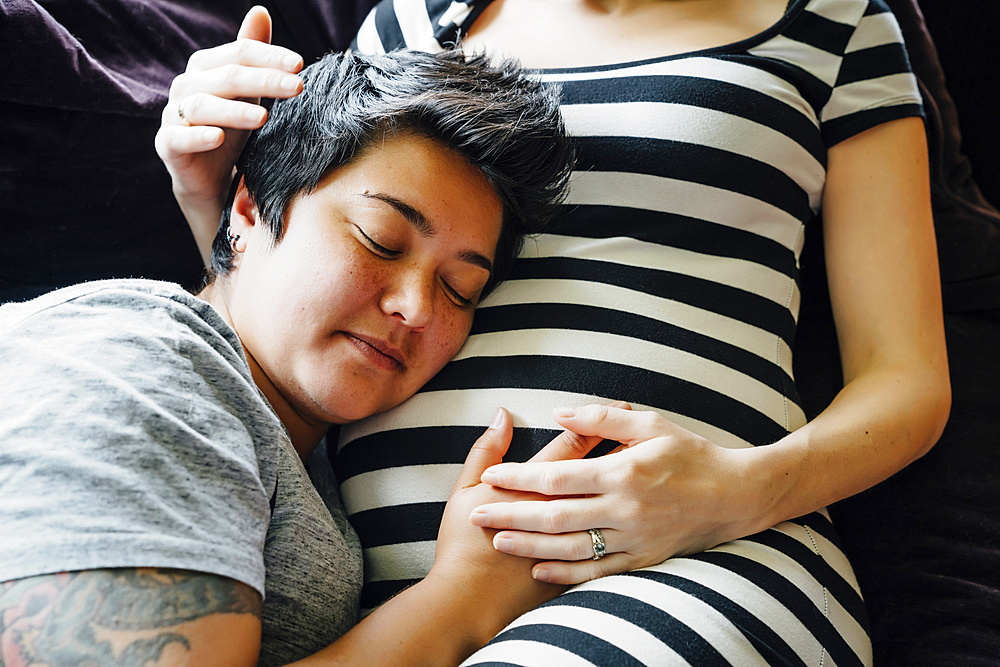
[371, 290]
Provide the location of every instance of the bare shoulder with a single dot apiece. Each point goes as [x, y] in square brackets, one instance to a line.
[128, 617]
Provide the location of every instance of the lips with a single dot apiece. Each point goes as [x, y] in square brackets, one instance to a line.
[379, 352]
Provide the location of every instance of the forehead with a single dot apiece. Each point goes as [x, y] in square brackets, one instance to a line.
[423, 176]
[409, 148]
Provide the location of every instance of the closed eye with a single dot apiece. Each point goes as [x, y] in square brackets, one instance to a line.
[379, 249]
[459, 300]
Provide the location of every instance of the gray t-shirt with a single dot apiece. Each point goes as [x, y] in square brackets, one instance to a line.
[132, 435]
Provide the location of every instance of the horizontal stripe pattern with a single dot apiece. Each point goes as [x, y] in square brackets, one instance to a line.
[628, 252]
[703, 618]
[671, 280]
[601, 296]
[429, 419]
[738, 604]
[728, 300]
[764, 114]
[608, 381]
[673, 230]
[490, 353]
[669, 195]
[612, 325]
[684, 163]
[874, 30]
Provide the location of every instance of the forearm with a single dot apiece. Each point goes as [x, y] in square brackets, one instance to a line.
[470, 594]
[885, 293]
[438, 622]
[880, 422]
[203, 216]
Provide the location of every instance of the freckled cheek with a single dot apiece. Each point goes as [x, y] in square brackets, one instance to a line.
[451, 334]
[359, 277]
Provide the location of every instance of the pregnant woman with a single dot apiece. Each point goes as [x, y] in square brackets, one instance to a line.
[710, 135]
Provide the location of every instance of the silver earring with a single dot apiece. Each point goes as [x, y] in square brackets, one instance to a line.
[232, 239]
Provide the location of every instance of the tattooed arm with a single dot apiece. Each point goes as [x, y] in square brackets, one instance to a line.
[156, 618]
[128, 617]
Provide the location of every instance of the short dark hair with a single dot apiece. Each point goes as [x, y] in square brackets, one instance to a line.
[504, 122]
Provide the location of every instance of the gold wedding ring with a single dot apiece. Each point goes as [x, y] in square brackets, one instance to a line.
[598, 540]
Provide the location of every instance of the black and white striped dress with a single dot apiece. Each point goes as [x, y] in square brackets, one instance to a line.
[671, 282]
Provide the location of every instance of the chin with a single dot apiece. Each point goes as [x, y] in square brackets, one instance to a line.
[346, 407]
[355, 410]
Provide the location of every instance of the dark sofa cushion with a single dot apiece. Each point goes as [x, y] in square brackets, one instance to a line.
[82, 85]
[81, 89]
[967, 223]
[965, 37]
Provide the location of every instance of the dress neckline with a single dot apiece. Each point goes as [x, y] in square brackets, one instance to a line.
[792, 10]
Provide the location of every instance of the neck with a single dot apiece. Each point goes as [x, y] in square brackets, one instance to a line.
[303, 433]
[618, 6]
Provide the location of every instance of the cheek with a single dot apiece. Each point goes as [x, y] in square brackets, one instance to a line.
[351, 279]
[448, 338]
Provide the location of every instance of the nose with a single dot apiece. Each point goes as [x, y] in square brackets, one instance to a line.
[411, 299]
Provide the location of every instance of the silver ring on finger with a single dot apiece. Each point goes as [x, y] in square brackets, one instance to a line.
[598, 542]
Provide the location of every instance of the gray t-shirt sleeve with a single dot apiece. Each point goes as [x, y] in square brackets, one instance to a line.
[131, 435]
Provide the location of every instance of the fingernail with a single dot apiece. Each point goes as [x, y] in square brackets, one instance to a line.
[502, 543]
[541, 574]
[490, 478]
[290, 82]
[497, 419]
[478, 517]
[564, 413]
[290, 61]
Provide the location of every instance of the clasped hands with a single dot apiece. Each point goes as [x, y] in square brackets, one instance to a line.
[663, 492]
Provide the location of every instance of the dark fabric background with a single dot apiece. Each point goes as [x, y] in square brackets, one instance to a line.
[82, 85]
[926, 543]
[83, 196]
[966, 36]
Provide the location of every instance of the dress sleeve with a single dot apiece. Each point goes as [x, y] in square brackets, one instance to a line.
[424, 25]
[875, 83]
[127, 439]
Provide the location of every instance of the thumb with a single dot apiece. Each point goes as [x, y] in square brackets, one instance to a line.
[488, 450]
[570, 445]
[256, 25]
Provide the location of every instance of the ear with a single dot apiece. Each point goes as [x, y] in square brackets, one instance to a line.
[243, 217]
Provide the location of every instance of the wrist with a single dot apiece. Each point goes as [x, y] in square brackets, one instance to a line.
[482, 599]
[774, 472]
[202, 198]
[430, 624]
[475, 617]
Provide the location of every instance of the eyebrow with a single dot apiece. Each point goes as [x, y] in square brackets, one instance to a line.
[424, 227]
[415, 217]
